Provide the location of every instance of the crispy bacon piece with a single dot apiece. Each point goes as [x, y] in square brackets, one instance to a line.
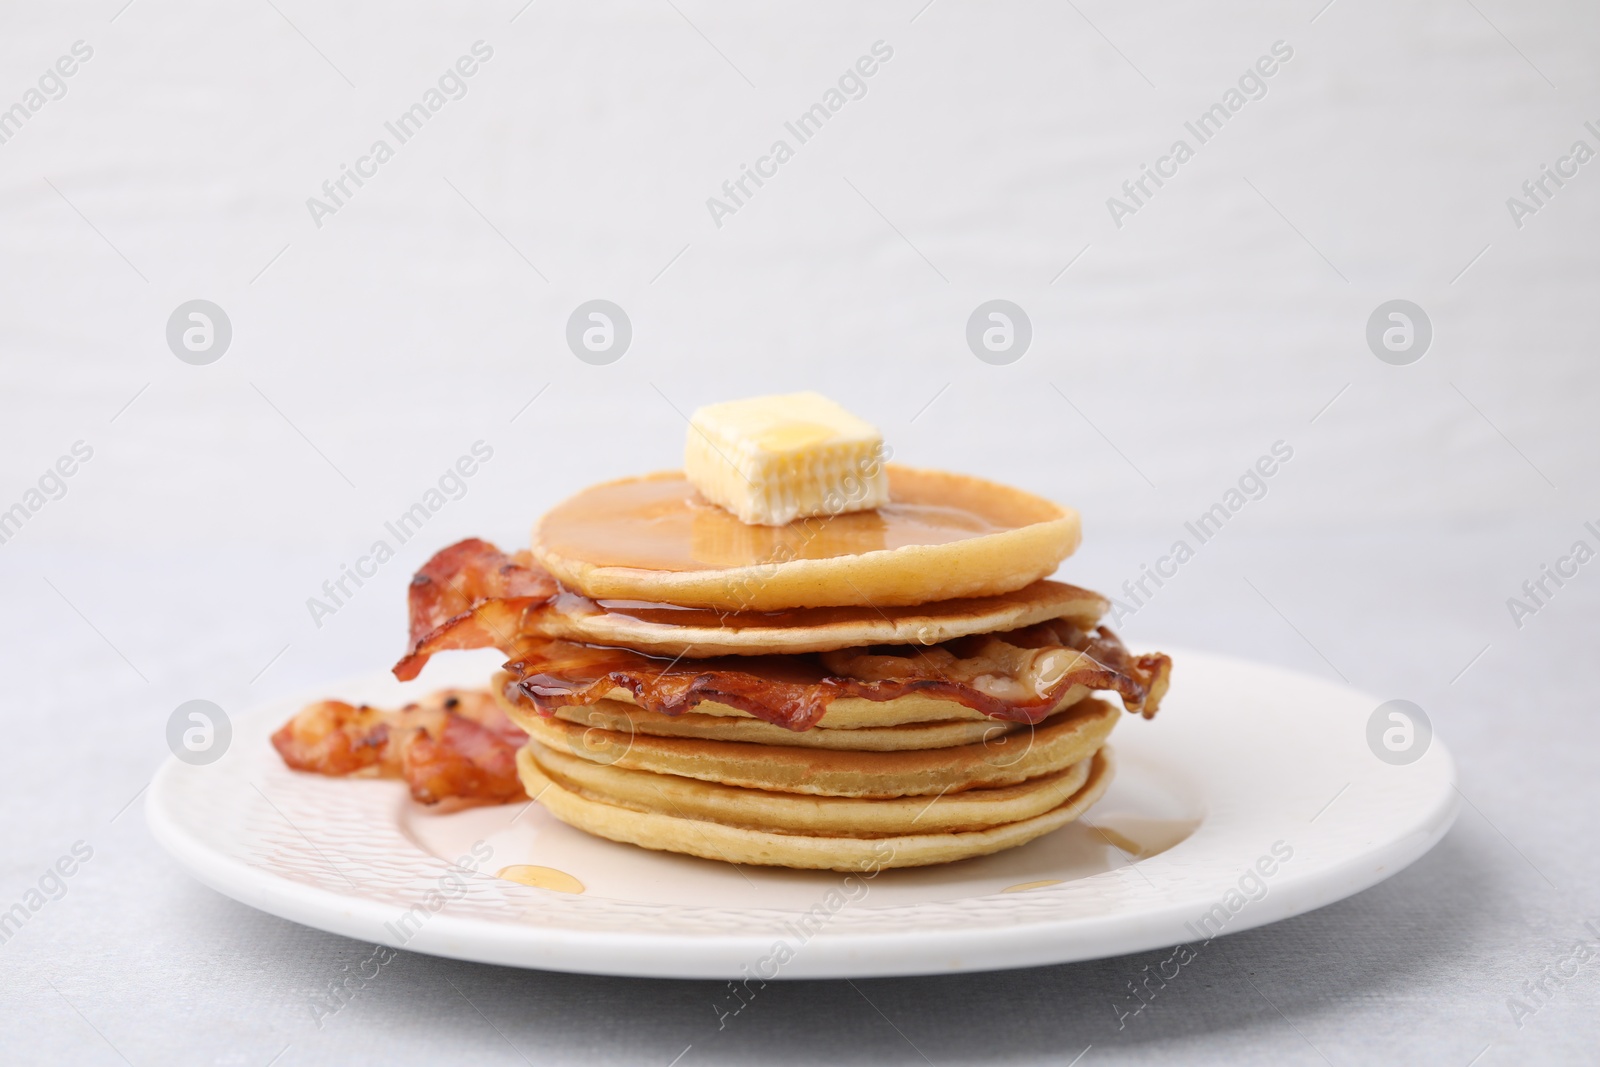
[464, 760]
[999, 678]
[471, 595]
[1019, 674]
[458, 748]
[455, 748]
[335, 738]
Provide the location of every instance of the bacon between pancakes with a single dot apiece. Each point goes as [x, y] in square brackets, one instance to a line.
[1018, 675]
[472, 595]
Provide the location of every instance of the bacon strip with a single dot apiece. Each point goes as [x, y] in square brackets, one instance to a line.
[455, 746]
[471, 595]
[458, 748]
[795, 691]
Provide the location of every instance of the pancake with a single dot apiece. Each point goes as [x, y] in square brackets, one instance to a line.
[915, 721]
[669, 630]
[856, 713]
[626, 719]
[756, 809]
[737, 844]
[942, 536]
[1053, 745]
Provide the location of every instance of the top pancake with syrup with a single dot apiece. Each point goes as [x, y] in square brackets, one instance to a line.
[654, 539]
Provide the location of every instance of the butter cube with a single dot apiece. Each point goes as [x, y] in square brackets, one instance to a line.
[773, 459]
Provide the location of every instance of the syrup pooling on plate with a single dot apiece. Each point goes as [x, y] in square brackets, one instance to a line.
[663, 524]
[541, 878]
[1141, 836]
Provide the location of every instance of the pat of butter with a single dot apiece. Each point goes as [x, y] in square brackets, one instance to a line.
[773, 459]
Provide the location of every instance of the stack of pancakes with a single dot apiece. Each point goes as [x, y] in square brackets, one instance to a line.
[854, 797]
[878, 689]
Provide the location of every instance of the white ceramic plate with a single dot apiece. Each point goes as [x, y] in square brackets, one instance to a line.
[1252, 797]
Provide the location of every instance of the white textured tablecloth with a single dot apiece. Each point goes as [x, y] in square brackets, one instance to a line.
[1227, 313]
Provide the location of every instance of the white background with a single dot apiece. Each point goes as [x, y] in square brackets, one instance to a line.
[369, 353]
